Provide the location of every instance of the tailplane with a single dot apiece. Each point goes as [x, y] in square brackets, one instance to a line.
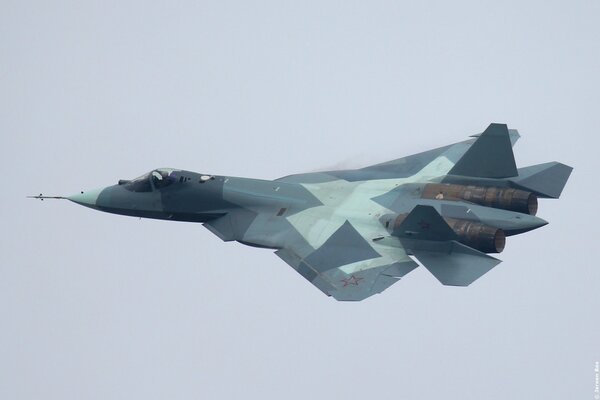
[459, 265]
[427, 236]
[545, 180]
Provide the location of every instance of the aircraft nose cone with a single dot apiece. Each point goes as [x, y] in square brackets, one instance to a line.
[87, 198]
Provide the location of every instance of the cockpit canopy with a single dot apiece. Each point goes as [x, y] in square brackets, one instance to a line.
[157, 179]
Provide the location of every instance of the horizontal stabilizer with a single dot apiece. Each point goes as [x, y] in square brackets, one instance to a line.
[490, 156]
[545, 180]
[460, 266]
[424, 223]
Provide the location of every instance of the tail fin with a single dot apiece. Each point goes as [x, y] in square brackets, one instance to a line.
[545, 180]
[424, 223]
[426, 235]
[490, 156]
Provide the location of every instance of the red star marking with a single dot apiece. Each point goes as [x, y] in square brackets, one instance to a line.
[353, 280]
[424, 225]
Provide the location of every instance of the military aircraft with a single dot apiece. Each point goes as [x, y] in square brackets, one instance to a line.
[351, 233]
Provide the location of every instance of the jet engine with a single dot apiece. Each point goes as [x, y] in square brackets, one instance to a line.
[504, 198]
[484, 238]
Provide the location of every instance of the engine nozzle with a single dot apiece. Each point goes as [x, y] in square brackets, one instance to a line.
[503, 198]
[484, 238]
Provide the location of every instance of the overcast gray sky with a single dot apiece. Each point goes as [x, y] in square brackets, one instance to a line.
[98, 306]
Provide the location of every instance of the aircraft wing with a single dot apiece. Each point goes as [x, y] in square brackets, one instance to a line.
[435, 162]
[348, 266]
[412, 164]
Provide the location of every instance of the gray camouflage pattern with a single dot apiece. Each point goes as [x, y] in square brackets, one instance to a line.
[353, 233]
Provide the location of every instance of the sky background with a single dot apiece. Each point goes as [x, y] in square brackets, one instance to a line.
[99, 306]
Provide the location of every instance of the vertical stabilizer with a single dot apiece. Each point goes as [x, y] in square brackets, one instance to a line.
[490, 156]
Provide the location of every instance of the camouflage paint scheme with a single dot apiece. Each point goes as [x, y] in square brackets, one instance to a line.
[351, 233]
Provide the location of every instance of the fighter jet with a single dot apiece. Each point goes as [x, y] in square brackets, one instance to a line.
[354, 233]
